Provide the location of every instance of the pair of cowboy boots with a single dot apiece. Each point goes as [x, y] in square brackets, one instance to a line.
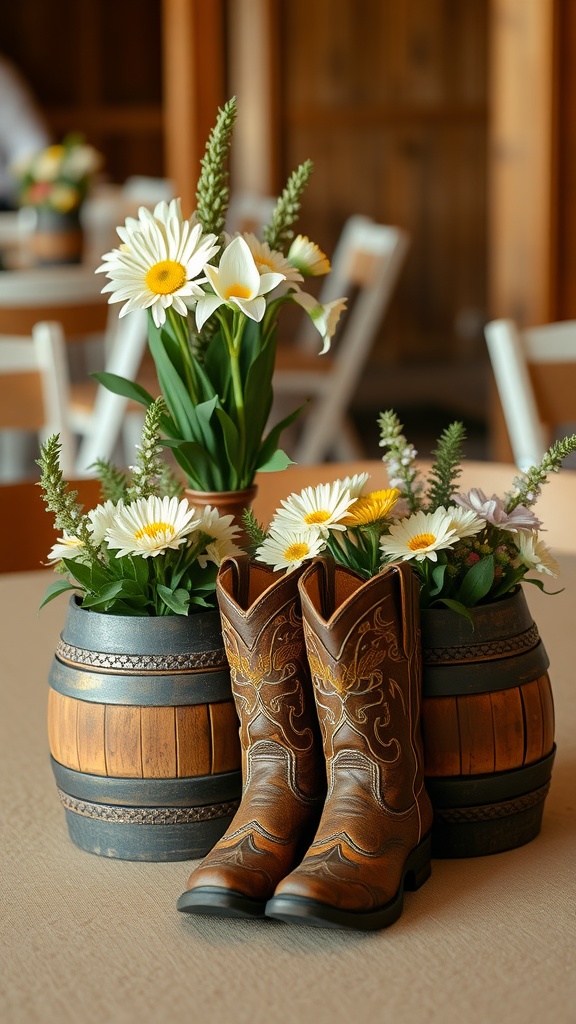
[334, 821]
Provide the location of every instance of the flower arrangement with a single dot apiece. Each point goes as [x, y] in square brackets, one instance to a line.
[144, 550]
[466, 549]
[214, 303]
[59, 177]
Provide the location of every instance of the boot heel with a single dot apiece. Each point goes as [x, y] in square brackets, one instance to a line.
[417, 869]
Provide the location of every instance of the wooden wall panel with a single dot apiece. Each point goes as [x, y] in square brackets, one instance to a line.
[389, 101]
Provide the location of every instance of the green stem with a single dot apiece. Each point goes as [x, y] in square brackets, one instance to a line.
[178, 324]
[234, 344]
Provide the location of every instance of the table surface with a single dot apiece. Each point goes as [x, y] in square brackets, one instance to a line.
[86, 939]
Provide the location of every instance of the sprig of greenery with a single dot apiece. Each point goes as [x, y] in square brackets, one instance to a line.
[527, 488]
[255, 531]
[446, 467]
[279, 232]
[212, 190]
[147, 471]
[400, 459]
[113, 482]
[58, 497]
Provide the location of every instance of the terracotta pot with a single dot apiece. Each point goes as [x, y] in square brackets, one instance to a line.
[58, 238]
[143, 734]
[488, 727]
[228, 503]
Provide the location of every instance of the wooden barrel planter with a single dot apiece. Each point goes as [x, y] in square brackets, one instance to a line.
[143, 734]
[488, 727]
[58, 238]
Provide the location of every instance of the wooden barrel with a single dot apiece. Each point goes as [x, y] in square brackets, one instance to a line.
[58, 238]
[488, 727]
[143, 734]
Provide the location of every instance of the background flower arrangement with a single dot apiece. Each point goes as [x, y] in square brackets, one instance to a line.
[144, 550]
[59, 177]
[213, 304]
[466, 549]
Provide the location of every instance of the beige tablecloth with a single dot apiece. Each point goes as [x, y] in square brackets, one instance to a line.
[85, 939]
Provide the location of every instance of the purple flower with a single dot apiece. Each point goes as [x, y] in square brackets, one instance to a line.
[493, 510]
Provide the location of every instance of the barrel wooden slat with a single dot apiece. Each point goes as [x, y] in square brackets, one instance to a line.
[90, 733]
[122, 741]
[533, 723]
[225, 739]
[547, 712]
[193, 740]
[158, 732]
[476, 734]
[62, 729]
[508, 729]
[441, 736]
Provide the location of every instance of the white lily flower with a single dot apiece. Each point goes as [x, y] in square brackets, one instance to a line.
[324, 317]
[237, 283]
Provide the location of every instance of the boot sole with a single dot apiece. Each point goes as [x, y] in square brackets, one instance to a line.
[211, 901]
[302, 910]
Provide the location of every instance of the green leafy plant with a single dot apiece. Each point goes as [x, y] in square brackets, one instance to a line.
[144, 550]
[214, 305]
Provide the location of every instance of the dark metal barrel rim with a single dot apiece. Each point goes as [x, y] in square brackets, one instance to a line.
[180, 792]
[491, 812]
[484, 651]
[147, 815]
[79, 657]
[472, 790]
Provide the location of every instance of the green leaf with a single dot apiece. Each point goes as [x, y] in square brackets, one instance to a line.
[80, 572]
[270, 442]
[277, 461]
[196, 463]
[106, 594]
[438, 574]
[120, 386]
[477, 582]
[178, 600]
[540, 585]
[55, 589]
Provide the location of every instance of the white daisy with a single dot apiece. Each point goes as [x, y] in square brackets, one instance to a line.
[464, 521]
[223, 533]
[308, 258]
[157, 266]
[324, 317]
[534, 554]
[150, 526]
[66, 547]
[101, 517]
[287, 548]
[321, 507]
[419, 537]
[356, 483]
[237, 283]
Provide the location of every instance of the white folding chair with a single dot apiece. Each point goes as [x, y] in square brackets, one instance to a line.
[365, 268]
[535, 374]
[34, 388]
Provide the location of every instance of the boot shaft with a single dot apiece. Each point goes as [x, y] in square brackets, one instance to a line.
[363, 644]
[263, 636]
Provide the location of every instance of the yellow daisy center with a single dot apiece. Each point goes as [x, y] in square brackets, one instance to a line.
[153, 529]
[238, 291]
[320, 515]
[166, 277]
[294, 552]
[421, 540]
[263, 262]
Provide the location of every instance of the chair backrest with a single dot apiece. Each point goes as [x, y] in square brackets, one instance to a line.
[34, 386]
[535, 374]
[366, 265]
[22, 503]
[102, 427]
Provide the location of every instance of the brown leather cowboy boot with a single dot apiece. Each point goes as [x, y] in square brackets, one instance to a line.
[373, 839]
[283, 771]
